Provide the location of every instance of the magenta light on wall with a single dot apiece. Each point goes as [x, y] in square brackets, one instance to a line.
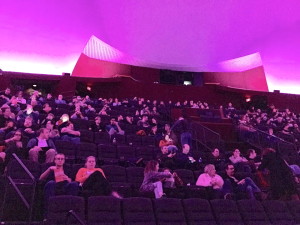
[49, 36]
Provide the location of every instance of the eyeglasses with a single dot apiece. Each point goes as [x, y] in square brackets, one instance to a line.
[59, 158]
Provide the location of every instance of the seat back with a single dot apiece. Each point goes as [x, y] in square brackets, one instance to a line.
[253, 212]
[169, 211]
[104, 210]
[198, 211]
[138, 211]
[278, 212]
[59, 206]
[226, 212]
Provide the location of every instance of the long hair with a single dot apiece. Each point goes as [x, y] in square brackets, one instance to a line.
[150, 167]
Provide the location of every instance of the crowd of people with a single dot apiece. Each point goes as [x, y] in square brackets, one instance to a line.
[29, 128]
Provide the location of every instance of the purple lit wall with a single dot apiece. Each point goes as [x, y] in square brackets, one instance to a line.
[49, 36]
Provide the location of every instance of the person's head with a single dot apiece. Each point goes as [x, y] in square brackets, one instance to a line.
[29, 109]
[152, 166]
[59, 97]
[70, 125]
[229, 168]
[50, 116]
[9, 123]
[18, 135]
[65, 118]
[210, 170]
[145, 118]
[59, 159]
[28, 121]
[113, 121]
[185, 149]
[90, 162]
[216, 152]
[7, 91]
[236, 153]
[167, 127]
[50, 125]
[154, 129]
[251, 153]
[120, 118]
[98, 119]
[49, 96]
[164, 150]
[20, 94]
[43, 133]
[6, 111]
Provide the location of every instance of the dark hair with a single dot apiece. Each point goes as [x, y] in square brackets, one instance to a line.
[250, 151]
[150, 167]
[228, 164]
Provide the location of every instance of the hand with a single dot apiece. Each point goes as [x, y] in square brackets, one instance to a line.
[37, 148]
[241, 181]
[65, 177]
[52, 168]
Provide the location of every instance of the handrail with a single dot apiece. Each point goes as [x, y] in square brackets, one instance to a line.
[19, 192]
[262, 134]
[278, 138]
[73, 214]
[24, 167]
[210, 130]
[13, 183]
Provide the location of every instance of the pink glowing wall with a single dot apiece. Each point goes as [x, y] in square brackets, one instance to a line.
[49, 36]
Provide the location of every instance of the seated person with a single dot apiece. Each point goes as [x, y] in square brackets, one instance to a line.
[6, 115]
[60, 100]
[166, 157]
[210, 179]
[253, 160]
[97, 125]
[28, 127]
[93, 179]
[6, 95]
[233, 185]
[69, 134]
[152, 179]
[14, 145]
[172, 182]
[41, 145]
[216, 158]
[184, 159]
[240, 162]
[59, 180]
[53, 133]
[78, 114]
[28, 112]
[114, 128]
[9, 127]
[63, 121]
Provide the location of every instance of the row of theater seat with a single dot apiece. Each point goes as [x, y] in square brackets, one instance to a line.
[168, 211]
[108, 153]
[124, 180]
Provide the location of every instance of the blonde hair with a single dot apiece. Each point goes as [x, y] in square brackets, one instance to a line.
[209, 167]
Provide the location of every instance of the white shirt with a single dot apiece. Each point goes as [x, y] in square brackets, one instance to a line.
[205, 180]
